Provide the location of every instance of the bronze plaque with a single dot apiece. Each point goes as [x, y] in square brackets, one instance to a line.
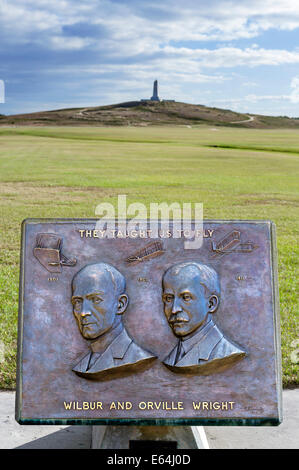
[129, 329]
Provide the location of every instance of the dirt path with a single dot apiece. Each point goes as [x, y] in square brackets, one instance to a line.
[250, 118]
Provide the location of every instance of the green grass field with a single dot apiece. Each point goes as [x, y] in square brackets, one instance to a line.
[66, 172]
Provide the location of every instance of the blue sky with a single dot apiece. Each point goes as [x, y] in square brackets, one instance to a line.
[233, 54]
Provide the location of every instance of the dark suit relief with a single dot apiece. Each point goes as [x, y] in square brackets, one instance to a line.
[205, 352]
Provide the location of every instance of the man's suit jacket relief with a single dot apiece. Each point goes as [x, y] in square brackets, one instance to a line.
[120, 353]
[210, 352]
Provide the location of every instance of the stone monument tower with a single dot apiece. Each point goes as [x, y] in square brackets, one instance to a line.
[155, 96]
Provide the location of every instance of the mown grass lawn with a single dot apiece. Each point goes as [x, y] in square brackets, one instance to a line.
[66, 172]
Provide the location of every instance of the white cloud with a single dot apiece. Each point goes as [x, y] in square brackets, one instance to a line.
[2, 92]
[250, 84]
[182, 63]
[234, 56]
[127, 30]
[294, 96]
[147, 24]
[253, 99]
[117, 47]
[69, 43]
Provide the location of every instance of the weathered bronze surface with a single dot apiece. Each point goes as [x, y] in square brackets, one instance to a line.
[99, 300]
[48, 252]
[168, 335]
[191, 296]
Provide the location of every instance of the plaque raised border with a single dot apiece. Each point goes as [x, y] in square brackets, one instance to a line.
[230, 242]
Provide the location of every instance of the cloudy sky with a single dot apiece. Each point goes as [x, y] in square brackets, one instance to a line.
[236, 54]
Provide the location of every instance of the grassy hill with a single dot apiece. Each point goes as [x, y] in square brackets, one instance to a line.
[147, 113]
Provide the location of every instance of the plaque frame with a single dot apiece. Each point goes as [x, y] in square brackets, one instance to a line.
[235, 421]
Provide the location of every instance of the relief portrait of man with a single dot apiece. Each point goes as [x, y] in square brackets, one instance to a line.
[191, 295]
[99, 302]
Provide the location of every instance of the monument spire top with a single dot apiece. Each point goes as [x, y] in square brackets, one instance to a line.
[155, 96]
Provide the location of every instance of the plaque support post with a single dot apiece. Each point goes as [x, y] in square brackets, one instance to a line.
[134, 437]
